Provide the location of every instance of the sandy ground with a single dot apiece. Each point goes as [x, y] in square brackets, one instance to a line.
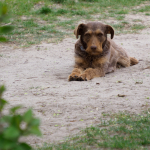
[37, 77]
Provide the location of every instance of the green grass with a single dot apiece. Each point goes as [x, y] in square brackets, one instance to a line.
[120, 17]
[121, 131]
[126, 27]
[144, 9]
[117, 26]
[125, 22]
[138, 27]
[147, 14]
[66, 24]
[123, 11]
[44, 10]
[30, 30]
[137, 20]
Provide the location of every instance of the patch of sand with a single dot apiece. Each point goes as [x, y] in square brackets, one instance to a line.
[37, 77]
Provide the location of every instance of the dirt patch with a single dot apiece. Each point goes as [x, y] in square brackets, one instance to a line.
[37, 77]
[138, 19]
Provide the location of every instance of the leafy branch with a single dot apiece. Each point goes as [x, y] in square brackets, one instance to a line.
[15, 125]
[4, 28]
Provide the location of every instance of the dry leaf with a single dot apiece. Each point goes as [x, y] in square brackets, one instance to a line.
[121, 95]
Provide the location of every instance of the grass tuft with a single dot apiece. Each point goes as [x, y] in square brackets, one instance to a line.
[118, 26]
[61, 11]
[44, 10]
[137, 20]
[79, 12]
[123, 11]
[120, 17]
[138, 27]
[147, 14]
[144, 9]
[29, 23]
[125, 22]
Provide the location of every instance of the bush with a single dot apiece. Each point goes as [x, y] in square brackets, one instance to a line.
[15, 125]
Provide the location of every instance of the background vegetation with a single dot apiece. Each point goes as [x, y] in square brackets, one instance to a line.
[53, 20]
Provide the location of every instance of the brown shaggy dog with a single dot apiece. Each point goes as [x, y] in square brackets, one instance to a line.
[95, 54]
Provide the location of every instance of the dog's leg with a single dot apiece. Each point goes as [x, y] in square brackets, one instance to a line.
[91, 73]
[124, 61]
[75, 75]
[118, 65]
[133, 61]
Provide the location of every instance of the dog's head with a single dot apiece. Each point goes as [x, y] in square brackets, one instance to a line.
[93, 36]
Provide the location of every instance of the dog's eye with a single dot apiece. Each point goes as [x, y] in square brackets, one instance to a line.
[99, 34]
[87, 35]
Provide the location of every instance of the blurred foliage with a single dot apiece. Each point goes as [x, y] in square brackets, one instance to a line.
[4, 28]
[15, 125]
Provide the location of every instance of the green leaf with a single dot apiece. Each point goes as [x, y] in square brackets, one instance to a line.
[21, 146]
[16, 120]
[27, 117]
[2, 89]
[3, 39]
[6, 144]
[2, 103]
[35, 122]
[14, 109]
[18, 147]
[25, 146]
[11, 133]
[5, 119]
[6, 29]
[35, 130]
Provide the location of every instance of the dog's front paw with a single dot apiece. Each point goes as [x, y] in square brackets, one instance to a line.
[85, 76]
[75, 77]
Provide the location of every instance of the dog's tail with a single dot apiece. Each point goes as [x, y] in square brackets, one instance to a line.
[133, 61]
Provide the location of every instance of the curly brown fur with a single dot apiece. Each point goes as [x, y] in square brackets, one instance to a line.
[95, 54]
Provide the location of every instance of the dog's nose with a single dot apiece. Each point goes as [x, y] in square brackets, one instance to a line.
[93, 47]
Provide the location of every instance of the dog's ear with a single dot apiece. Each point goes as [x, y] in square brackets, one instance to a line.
[79, 30]
[110, 30]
